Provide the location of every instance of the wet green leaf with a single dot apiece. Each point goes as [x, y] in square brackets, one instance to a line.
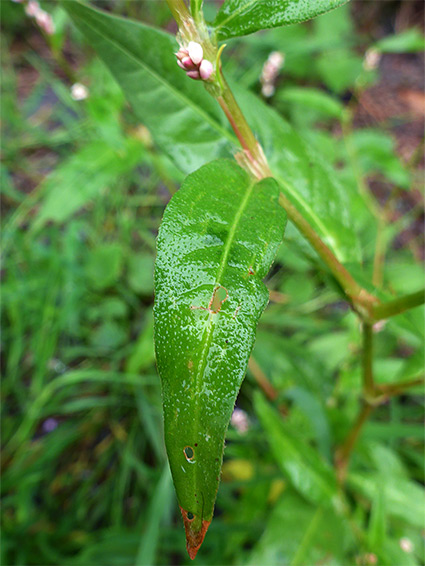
[218, 238]
[241, 17]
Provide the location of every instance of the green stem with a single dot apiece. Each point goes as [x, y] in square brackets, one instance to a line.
[398, 306]
[236, 118]
[367, 359]
[180, 12]
[392, 389]
[344, 453]
[369, 402]
[195, 9]
[354, 291]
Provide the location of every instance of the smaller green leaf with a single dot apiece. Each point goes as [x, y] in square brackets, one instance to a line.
[307, 471]
[159, 506]
[83, 177]
[241, 17]
[315, 99]
[378, 518]
[408, 41]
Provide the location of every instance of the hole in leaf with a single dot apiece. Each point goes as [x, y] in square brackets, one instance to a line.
[189, 453]
[219, 296]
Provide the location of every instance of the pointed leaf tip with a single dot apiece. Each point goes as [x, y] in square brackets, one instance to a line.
[195, 529]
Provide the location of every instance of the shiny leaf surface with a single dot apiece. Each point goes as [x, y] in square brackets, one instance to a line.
[241, 17]
[217, 241]
[185, 121]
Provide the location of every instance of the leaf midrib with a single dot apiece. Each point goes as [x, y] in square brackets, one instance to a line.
[187, 101]
[212, 319]
[210, 323]
[245, 6]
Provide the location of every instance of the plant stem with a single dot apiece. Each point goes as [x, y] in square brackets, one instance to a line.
[378, 260]
[398, 306]
[343, 454]
[180, 12]
[357, 295]
[392, 389]
[367, 360]
[342, 457]
[261, 379]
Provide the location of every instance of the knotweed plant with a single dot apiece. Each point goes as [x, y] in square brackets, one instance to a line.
[220, 232]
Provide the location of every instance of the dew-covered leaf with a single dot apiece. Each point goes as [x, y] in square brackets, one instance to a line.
[241, 17]
[218, 238]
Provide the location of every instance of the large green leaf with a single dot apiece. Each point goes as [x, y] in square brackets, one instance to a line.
[185, 121]
[218, 238]
[241, 17]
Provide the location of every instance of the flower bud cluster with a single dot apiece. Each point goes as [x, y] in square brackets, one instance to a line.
[270, 72]
[191, 59]
[42, 18]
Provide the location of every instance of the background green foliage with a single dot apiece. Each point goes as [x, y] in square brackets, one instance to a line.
[85, 479]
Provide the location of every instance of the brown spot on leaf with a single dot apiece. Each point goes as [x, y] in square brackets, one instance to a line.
[220, 295]
[195, 532]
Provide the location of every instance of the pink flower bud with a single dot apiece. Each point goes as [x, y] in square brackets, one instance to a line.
[45, 22]
[196, 52]
[181, 53]
[206, 69]
[32, 8]
[194, 75]
[180, 64]
[188, 64]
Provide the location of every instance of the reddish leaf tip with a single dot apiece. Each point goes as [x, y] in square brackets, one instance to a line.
[194, 535]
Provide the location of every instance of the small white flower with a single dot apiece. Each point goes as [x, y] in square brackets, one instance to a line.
[406, 545]
[240, 420]
[371, 59]
[79, 91]
[196, 52]
[378, 326]
[45, 22]
[32, 8]
[268, 90]
[206, 69]
[270, 71]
